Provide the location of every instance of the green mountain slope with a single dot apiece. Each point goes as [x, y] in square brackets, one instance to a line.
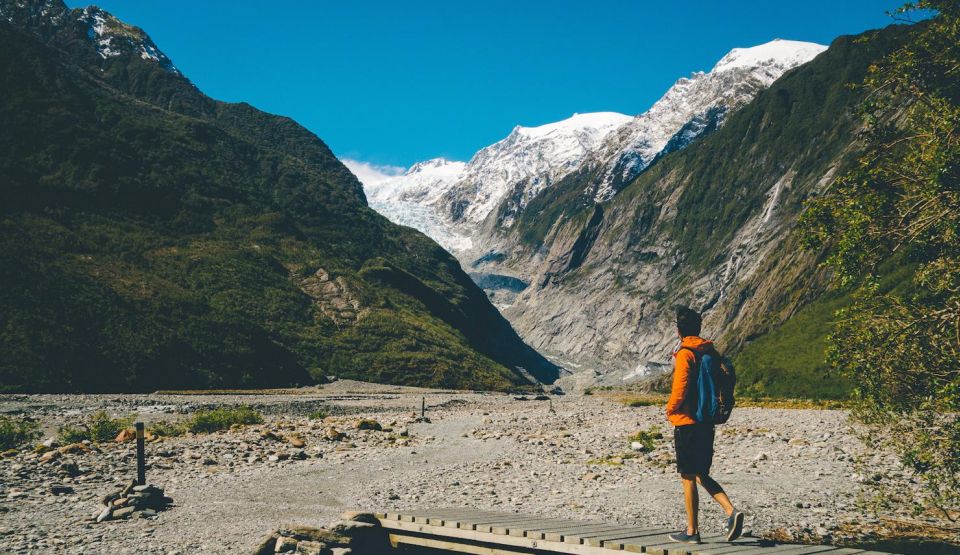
[153, 238]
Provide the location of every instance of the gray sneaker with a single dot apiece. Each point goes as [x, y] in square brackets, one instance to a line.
[683, 537]
[734, 526]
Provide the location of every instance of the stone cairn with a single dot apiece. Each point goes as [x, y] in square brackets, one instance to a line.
[355, 534]
[133, 501]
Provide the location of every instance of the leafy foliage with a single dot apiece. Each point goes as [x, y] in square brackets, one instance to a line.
[222, 418]
[15, 432]
[902, 351]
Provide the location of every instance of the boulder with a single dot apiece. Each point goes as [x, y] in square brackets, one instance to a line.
[296, 441]
[125, 435]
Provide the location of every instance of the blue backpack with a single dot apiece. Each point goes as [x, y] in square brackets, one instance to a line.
[716, 379]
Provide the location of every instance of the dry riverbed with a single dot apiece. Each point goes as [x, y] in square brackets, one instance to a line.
[794, 472]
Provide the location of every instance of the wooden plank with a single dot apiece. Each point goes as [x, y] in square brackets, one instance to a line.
[466, 520]
[440, 517]
[397, 539]
[623, 543]
[429, 530]
[523, 531]
[599, 539]
[489, 526]
[743, 545]
[520, 529]
[540, 533]
[451, 534]
[561, 535]
[796, 549]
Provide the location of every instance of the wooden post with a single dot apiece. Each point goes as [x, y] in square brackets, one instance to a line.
[423, 408]
[141, 462]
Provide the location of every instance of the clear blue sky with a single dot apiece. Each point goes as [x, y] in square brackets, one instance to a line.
[394, 82]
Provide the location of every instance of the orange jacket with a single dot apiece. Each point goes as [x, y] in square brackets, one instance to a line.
[683, 396]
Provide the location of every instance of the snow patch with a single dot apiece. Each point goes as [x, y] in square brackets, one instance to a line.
[788, 53]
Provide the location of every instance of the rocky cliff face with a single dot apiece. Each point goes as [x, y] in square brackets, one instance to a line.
[711, 226]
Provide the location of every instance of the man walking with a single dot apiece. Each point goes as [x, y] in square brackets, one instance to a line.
[694, 440]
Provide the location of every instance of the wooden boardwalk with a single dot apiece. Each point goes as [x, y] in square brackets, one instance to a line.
[488, 533]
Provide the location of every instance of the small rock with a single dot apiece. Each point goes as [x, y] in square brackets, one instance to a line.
[306, 547]
[296, 441]
[50, 443]
[367, 424]
[760, 457]
[125, 435]
[123, 512]
[285, 545]
[333, 434]
[104, 514]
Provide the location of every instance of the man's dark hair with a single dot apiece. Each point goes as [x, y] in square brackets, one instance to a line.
[688, 321]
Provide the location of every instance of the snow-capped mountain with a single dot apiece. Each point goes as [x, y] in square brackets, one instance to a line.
[696, 105]
[409, 200]
[110, 37]
[452, 201]
[517, 168]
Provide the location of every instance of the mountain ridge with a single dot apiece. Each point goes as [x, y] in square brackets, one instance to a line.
[157, 238]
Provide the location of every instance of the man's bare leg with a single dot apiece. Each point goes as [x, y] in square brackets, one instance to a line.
[715, 491]
[692, 501]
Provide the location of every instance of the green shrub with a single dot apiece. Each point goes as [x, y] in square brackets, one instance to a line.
[648, 438]
[167, 429]
[206, 421]
[99, 427]
[14, 432]
[70, 433]
[319, 414]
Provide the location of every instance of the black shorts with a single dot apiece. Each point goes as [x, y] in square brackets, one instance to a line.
[694, 445]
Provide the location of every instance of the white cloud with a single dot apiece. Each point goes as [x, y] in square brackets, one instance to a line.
[371, 174]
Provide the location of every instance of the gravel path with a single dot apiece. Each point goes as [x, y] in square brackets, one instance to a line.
[792, 471]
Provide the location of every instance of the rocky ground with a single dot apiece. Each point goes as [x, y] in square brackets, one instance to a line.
[794, 472]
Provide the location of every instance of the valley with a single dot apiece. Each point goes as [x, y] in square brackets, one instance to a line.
[587, 245]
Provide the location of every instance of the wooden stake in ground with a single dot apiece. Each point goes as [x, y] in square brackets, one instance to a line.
[141, 459]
